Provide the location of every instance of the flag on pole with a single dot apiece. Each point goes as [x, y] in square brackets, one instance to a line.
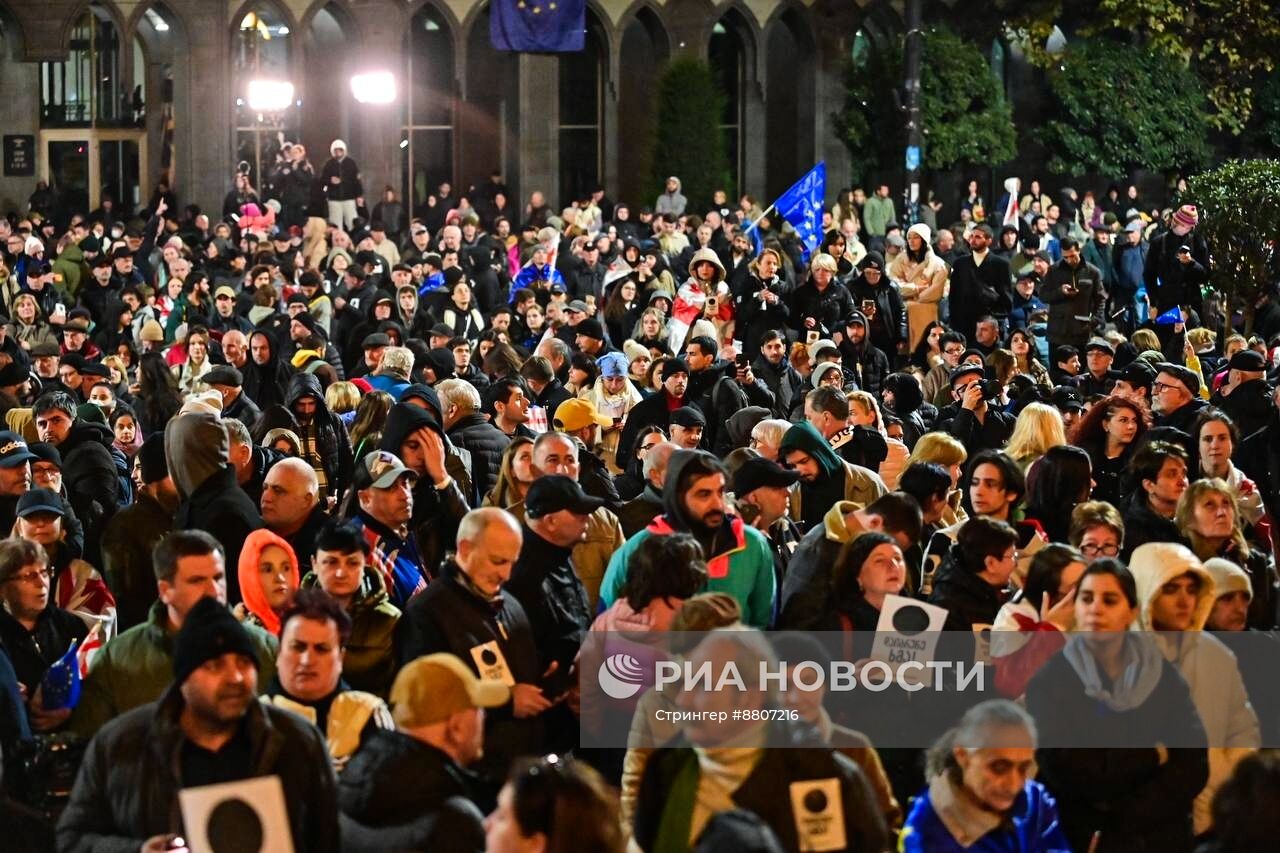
[538, 26]
[802, 207]
[60, 687]
[1170, 317]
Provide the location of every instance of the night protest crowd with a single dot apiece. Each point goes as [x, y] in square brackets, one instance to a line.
[336, 493]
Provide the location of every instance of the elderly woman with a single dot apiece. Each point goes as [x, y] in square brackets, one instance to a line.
[1208, 516]
[921, 277]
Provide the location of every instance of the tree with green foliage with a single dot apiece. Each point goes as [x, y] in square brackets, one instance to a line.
[965, 116]
[687, 139]
[1239, 205]
[1229, 44]
[1122, 108]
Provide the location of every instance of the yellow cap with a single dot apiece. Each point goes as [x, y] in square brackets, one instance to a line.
[576, 413]
[435, 687]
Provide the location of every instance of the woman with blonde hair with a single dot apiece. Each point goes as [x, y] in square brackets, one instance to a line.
[945, 450]
[1144, 340]
[921, 277]
[1037, 428]
[1208, 515]
[369, 417]
[865, 411]
[342, 398]
[315, 246]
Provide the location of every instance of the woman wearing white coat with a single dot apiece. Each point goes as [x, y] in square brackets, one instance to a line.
[1175, 598]
[921, 277]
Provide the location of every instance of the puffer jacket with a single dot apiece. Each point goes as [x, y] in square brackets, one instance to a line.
[486, 444]
[369, 663]
[380, 812]
[89, 472]
[136, 667]
[127, 787]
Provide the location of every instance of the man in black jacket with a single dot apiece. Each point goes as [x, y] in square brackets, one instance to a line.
[439, 731]
[656, 409]
[1177, 264]
[1159, 470]
[208, 728]
[972, 418]
[228, 382]
[887, 317]
[861, 356]
[980, 284]
[774, 369]
[1246, 396]
[466, 612]
[473, 432]
[88, 468]
[196, 448]
[340, 178]
[325, 443]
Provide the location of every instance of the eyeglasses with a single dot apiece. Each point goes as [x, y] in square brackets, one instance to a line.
[1100, 550]
[647, 447]
[37, 578]
[1161, 387]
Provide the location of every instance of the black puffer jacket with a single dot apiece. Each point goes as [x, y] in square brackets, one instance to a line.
[544, 581]
[829, 308]
[89, 472]
[332, 440]
[380, 812]
[486, 444]
[127, 787]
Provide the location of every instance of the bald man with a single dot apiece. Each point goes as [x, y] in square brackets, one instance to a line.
[462, 612]
[291, 506]
[235, 346]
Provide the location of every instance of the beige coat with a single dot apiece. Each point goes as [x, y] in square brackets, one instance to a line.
[922, 286]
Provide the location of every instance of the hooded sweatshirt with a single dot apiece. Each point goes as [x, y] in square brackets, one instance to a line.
[1208, 666]
[739, 562]
[671, 202]
[255, 598]
[818, 496]
[196, 448]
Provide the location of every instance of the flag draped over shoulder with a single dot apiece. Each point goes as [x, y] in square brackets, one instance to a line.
[537, 26]
[802, 207]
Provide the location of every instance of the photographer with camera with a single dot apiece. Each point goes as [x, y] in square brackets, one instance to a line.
[975, 418]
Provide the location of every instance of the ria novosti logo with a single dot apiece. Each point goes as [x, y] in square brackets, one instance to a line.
[621, 676]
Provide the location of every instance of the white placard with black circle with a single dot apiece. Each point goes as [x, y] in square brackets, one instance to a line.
[818, 810]
[907, 631]
[248, 816]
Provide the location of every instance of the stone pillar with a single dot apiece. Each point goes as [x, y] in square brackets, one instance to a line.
[539, 126]
[203, 138]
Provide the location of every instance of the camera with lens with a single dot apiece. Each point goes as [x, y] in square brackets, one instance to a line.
[991, 389]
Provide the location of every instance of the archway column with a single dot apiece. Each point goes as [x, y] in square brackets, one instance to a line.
[375, 128]
[539, 141]
[203, 136]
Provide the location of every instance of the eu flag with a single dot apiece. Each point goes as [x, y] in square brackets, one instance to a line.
[802, 207]
[537, 26]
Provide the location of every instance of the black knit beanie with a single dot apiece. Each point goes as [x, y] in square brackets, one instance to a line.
[209, 631]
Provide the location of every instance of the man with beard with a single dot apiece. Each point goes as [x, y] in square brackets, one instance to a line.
[656, 409]
[825, 478]
[207, 728]
[325, 443]
[775, 370]
[739, 562]
[860, 356]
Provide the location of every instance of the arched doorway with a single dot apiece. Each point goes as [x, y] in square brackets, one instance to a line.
[789, 107]
[645, 50]
[161, 44]
[426, 148]
[266, 100]
[581, 137]
[729, 52]
[488, 116]
[93, 108]
[326, 84]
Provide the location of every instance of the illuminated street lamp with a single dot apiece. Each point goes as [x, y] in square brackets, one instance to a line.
[374, 87]
[270, 96]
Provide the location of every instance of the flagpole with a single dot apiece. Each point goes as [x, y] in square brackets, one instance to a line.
[762, 216]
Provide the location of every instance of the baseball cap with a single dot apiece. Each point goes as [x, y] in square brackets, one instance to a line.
[434, 687]
[13, 450]
[577, 305]
[576, 413]
[757, 472]
[557, 492]
[1065, 399]
[224, 291]
[1135, 225]
[40, 500]
[1138, 373]
[1248, 359]
[966, 370]
[380, 470]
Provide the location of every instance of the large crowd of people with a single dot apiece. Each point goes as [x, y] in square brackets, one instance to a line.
[337, 496]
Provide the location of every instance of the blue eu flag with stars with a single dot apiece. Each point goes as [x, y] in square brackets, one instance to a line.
[802, 207]
[538, 26]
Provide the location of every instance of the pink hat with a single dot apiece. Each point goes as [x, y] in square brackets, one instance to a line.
[1187, 216]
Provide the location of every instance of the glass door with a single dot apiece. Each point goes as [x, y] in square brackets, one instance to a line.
[68, 162]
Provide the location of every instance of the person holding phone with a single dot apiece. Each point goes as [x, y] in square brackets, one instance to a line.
[879, 301]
